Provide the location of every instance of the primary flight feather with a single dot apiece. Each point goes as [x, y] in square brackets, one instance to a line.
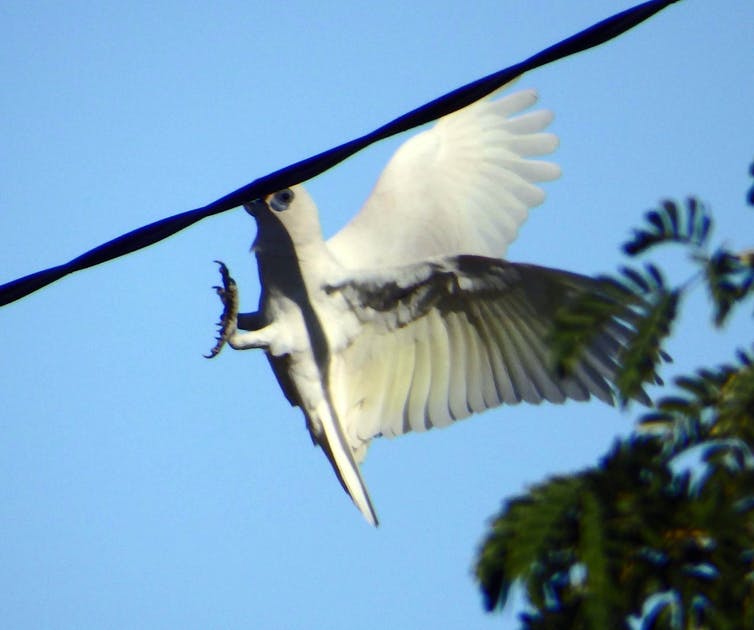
[408, 318]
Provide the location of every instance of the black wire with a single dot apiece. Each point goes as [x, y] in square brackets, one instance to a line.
[312, 166]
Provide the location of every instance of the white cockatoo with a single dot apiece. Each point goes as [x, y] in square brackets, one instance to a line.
[408, 318]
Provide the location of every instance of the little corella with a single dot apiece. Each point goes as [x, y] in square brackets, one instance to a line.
[408, 318]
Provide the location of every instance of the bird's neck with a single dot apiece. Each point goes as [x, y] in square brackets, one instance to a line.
[281, 261]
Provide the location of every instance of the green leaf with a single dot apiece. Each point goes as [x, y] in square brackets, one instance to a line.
[671, 223]
[730, 278]
[661, 530]
[525, 535]
[593, 553]
[637, 298]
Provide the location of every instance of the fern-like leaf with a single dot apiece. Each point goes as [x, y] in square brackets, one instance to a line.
[523, 535]
[730, 279]
[640, 299]
[689, 224]
[639, 360]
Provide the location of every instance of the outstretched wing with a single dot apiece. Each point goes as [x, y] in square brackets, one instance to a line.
[442, 340]
[462, 187]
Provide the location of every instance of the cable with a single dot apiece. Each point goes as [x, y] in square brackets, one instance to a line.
[310, 167]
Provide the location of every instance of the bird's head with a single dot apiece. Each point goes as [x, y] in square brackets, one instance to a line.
[291, 209]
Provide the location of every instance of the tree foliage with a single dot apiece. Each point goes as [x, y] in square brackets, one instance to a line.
[660, 533]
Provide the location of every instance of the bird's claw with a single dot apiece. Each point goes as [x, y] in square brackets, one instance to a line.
[228, 293]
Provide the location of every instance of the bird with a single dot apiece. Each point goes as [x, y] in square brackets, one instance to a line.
[410, 318]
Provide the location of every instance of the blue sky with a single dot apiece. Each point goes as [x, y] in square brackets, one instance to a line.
[141, 485]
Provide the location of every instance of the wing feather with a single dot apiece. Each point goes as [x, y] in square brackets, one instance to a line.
[402, 361]
[459, 335]
[422, 376]
[537, 330]
[525, 365]
[486, 349]
[438, 412]
[474, 378]
[464, 186]
[530, 346]
[458, 402]
[501, 362]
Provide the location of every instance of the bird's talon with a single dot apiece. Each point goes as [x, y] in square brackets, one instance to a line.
[228, 294]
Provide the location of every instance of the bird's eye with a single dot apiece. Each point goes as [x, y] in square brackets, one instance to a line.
[281, 200]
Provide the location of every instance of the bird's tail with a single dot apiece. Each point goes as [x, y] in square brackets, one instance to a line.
[338, 451]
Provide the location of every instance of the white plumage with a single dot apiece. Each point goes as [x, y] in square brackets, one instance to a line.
[462, 187]
[408, 318]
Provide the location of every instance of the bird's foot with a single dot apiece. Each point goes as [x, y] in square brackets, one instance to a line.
[228, 293]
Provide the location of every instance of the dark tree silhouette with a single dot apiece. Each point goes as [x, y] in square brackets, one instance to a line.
[644, 535]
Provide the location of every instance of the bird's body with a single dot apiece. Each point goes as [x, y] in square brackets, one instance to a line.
[408, 318]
